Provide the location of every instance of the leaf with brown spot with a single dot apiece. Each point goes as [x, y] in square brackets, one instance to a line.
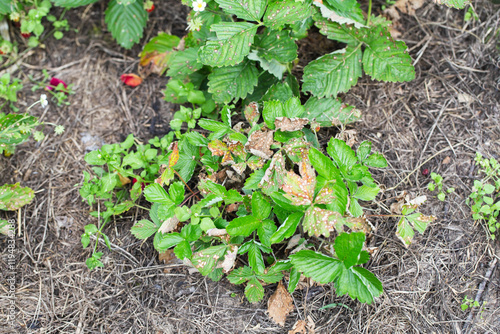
[280, 304]
[174, 156]
[274, 176]
[167, 256]
[252, 113]
[218, 147]
[290, 124]
[319, 221]
[169, 225]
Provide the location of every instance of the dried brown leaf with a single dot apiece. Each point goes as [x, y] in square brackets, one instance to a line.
[280, 304]
[169, 225]
[259, 144]
[290, 124]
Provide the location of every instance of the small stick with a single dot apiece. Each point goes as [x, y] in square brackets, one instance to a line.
[480, 293]
[192, 192]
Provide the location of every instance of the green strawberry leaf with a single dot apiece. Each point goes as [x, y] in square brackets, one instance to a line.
[143, 229]
[288, 228]
[387, 60]
[321, 268]
[243, 226]
[261, 209]
[206, 260]
[333, 73]
[276, 45]
[342, 154]
[232, 45]
[249, 10]
[126, 22]
[330, 111]
[184, 63]
[348, 247]
[162, 242]
[281, 12]
[254, 290]
[70, 3]
[233, 82]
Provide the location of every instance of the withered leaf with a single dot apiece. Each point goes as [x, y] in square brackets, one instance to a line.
[229, 259]
[169, 225]
[252, 113]
[123, 179]
[274, 176]
[290, 124]
[300, 189]
[259, 144]
[280, 304]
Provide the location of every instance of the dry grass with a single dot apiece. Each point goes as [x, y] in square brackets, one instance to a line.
[416, 125]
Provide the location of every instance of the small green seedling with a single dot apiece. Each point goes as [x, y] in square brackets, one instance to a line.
[438, 183]
[485, 204]
[469, 303]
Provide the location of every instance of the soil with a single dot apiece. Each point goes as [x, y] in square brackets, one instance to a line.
[436, 122]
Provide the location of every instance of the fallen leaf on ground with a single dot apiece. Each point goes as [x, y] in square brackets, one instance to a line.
[446, 160]
[280, 304]
[302, 327]
[130, 79]
[167, 256]
[229, 259]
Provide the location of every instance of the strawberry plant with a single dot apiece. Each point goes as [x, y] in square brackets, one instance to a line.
[243, 171]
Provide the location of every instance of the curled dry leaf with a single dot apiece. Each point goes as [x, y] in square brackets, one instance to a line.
[259, 144]
[174, 157]
[130, 79]
[359, 224]
[169, 225]
[167, 256]
[349, 136]
[303, 327]
[123, 179]
[290, 124]
[280, 304]
[229, 259]
[216, 232]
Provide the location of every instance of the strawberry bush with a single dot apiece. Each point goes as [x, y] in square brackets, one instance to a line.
[243, 172]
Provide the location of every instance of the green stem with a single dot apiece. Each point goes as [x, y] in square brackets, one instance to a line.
[369, 12]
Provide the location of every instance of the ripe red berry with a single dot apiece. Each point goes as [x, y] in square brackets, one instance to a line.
[425, 172]
[151, 9]
[26, 34]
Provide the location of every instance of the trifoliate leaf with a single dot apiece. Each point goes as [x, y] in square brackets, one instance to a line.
[334, 73]
[387, 60]
[319, 221]
[126, 22]
[233, 82]
[231, 47]
[248, 10]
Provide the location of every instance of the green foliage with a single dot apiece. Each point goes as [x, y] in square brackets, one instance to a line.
[13, 196]
[485, 196]
[438, 185]
[8, 90]
[126, 21]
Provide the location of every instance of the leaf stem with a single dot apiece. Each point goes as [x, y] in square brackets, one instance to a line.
[369, 12]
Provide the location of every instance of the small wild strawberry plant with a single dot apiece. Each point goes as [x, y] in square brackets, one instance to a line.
[243, 171]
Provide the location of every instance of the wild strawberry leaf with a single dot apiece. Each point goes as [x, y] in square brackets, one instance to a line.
[261, 208]
[288, 228]
[206, 260]
[358, 283]
[385, 59]
[265, 231]
[342, 154]
[300, 189]
[254, 291]
[408, 222]
[333, 73]
[162, 242]
[243, 226]
[126, 22]
[13, 196]
[345, 33]
[233, 82]
[348, 247]
[342, 5]
[232, 45]
[143, 229]
[155, 193]
[321, 268]
[274, 109]
[184, 63]
[283, 12]
[72, 3]
[319, 221]
[459, 4]
[330, 111]
[249, 10]
[276, 45]
[156, 55]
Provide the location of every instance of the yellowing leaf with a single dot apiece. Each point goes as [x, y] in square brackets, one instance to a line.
[300, 189]
[174, 157]
[280, 304]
